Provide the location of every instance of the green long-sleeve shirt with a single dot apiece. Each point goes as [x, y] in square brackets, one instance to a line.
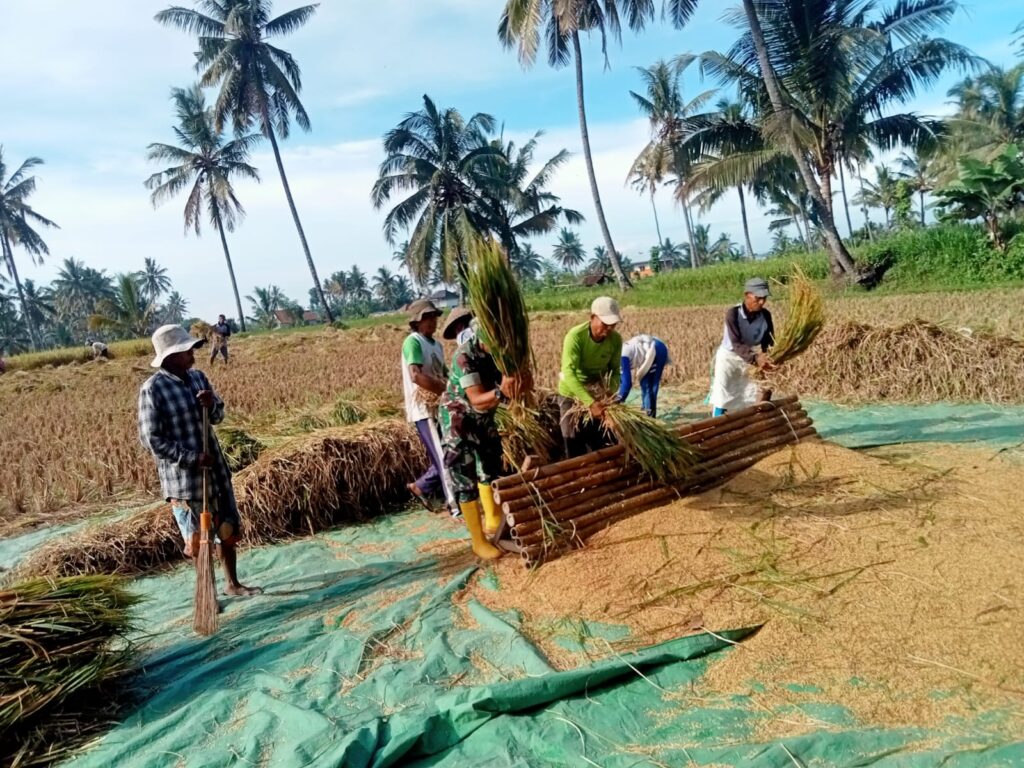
[585, 361]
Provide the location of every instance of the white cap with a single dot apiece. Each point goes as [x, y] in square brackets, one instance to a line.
[171, 339]
[607, 310]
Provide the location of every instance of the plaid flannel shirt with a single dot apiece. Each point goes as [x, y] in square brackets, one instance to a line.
[171, 427]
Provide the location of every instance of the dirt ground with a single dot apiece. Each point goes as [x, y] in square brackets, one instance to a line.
[887, 583]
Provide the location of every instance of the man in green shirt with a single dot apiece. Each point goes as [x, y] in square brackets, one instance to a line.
[591, 370]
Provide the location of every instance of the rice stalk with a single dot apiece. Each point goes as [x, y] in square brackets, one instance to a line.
[61, 640]
[523, 433]
[660, 452]
[499, 308]
[240, 449]
[805, 318]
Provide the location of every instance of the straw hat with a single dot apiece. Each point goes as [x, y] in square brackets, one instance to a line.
[171, 339]
[459, 313]
[422, 308]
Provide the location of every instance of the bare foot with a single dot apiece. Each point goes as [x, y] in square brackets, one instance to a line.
[240, 590]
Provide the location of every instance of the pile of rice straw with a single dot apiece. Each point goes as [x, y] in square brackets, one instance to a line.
[804, 319]
[62, 644]
[303, 485]
[914, 362]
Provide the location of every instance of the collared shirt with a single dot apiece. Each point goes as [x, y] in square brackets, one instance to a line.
[171, 427]
[747, 333]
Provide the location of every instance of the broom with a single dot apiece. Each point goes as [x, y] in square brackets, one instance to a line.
[204, 617]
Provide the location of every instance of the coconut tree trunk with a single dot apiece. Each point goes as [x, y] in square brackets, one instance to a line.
[13, 269]
[840, 259]
[613, 255]
[864, 206]
[657, 226]
[807, 231]
[921, 193]
[694, 256]
[298, 224]
[746, 226]
[846, 203]
[231, 273]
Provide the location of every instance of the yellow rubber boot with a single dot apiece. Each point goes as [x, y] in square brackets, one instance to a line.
[491, 517]
[482, 548]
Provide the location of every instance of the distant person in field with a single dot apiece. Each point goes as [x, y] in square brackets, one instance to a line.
[591, 370]
[99, 349]
[423, 382]
[472, 445]
[221, 333]
[457, 328]
[644, 358]
[749, 334]
[171, 427]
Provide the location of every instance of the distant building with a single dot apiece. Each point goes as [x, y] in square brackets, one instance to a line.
[286, 318]
[642, 269]
[442, 299]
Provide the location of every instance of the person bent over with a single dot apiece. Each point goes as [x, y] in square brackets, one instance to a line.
[749, 334]
[171, 404]
[472, 445]
[591, 360]
[645, 358]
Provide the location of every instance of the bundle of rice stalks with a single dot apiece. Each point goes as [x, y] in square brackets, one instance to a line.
[805, 317]
[346, 412]
[201, 330]
[240, 449]
[499, 308]
[660, 452]
[523, 433]
[61, 642]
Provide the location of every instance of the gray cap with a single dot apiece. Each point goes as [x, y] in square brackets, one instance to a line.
[757, 286]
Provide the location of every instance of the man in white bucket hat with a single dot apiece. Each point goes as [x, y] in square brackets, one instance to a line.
[171, 404]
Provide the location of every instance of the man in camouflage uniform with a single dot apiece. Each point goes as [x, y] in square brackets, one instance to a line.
[472, 445]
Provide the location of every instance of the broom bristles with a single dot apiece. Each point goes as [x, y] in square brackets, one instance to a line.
[204, 618]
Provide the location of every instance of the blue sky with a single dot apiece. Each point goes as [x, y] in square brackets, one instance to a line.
[88, 90]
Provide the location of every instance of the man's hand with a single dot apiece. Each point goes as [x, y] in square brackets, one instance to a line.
[764, 362]
[205, 398]
[597, 410]
[205, 460]
[511, 386]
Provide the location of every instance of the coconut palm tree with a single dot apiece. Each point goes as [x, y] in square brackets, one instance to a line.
[526, 263]
[403, 292]
[568, 250]
[881, 193]
[205, 164]
[384, 284]
[127, 313]
[599, 264]
[816, 111]
[76, 291]
[39, 304]
[514, 202]
[560, 21]
[259, 82]
[264, 304]
[153, 280]
[921, 170]
[435, 155]
[13, 338]
[990, 114]
[17, 227]
[174, 308]
[648, 173]
[670, 116]
[670, 252]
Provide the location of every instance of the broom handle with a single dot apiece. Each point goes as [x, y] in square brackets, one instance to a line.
[206, 450]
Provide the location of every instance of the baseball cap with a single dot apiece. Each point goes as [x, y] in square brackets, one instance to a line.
[757, 286]
[607, 310]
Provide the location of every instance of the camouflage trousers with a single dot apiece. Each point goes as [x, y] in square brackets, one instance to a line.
[472, 448]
